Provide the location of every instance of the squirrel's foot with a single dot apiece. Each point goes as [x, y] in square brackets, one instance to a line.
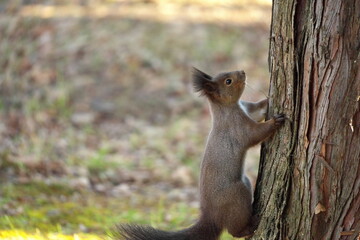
[249, 230]
[246, 233]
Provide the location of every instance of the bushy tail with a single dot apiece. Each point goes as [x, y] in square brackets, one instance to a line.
[200, 231]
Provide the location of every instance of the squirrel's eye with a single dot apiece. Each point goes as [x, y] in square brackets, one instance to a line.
[228, 81]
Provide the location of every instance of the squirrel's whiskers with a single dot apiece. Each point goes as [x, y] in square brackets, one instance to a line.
[256, 90]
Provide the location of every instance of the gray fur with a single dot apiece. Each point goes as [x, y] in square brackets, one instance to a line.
[225, 191]
[226, 194]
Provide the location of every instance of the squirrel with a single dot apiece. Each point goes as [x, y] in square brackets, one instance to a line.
[225, 191]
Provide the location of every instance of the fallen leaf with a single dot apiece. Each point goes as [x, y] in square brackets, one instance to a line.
[319, 208]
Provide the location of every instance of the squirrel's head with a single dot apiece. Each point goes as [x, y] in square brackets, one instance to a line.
[225, 88]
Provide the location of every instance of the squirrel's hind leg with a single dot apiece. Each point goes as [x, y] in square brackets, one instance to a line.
[248, 231]
[235, 210]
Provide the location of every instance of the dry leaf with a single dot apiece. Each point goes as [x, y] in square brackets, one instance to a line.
[319, 208]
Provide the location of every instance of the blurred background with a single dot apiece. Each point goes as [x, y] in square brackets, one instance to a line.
[98, 121]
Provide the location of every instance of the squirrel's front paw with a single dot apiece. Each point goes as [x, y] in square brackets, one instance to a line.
[279, 119]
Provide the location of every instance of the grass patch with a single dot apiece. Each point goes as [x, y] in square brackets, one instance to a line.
[16, 234]
[57, 208]
[99, 163]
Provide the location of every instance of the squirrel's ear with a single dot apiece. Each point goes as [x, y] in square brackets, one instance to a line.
[203, 82]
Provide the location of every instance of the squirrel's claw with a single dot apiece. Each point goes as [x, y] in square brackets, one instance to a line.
[279, 119]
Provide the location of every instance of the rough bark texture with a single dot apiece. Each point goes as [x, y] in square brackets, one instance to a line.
[309, 177]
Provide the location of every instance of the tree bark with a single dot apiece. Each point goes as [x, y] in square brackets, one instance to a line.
[309, 174]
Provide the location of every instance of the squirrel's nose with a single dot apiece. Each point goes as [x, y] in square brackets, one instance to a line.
[241, 74]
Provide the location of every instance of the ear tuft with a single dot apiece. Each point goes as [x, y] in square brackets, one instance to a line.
[202, 82]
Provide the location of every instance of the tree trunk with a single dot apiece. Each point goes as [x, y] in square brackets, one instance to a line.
[309, 177]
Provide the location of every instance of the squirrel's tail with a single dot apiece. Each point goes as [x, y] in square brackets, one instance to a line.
[202, 230]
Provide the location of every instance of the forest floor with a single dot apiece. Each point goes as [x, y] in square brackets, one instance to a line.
[98, 121]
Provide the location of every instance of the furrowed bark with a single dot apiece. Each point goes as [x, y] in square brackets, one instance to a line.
[309, 176]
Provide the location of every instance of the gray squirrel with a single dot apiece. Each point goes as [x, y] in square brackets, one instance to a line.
[225, 191]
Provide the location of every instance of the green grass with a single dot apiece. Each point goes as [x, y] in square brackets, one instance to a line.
[98, 162]
[52, 207]
[57, 210]
[17, 234]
